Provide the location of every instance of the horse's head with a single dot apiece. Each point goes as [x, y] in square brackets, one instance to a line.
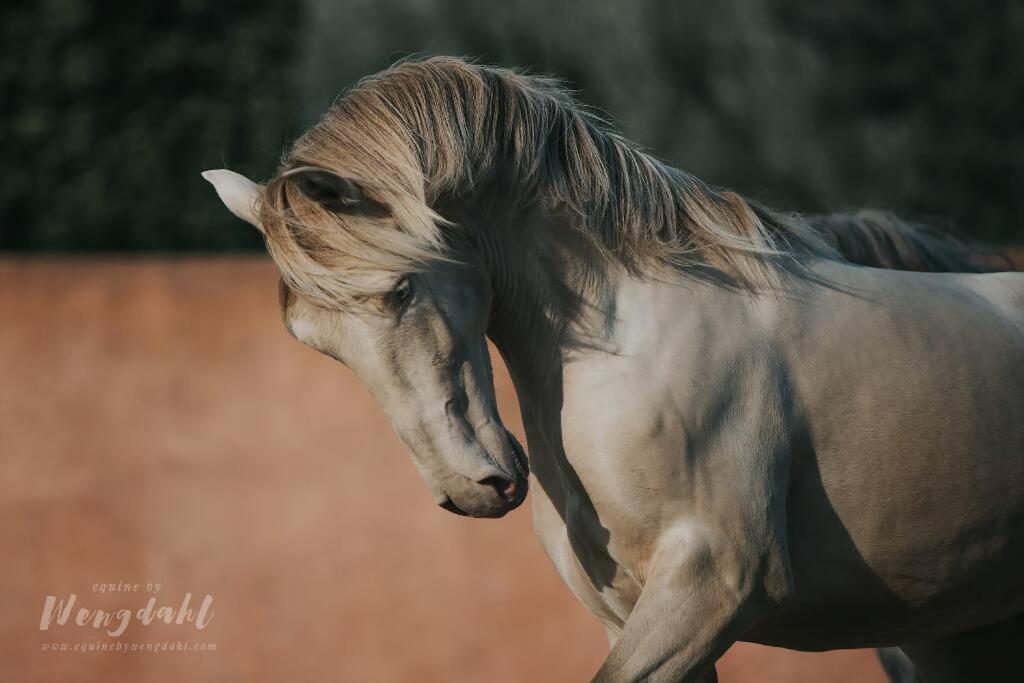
[413, 330]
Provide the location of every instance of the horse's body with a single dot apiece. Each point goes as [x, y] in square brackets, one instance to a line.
[833, 459]
[884, 450]
[856, 448]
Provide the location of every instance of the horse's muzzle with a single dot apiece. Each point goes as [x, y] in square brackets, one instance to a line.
[494, 495]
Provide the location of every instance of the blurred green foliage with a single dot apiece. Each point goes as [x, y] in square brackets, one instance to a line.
[911, 105]
[109, 114]
[110, 110]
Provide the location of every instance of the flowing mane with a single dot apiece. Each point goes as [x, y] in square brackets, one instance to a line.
[424, 131]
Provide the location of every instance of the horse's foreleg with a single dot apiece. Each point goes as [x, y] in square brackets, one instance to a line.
[695, 603]
[613, 637]
[897, 665]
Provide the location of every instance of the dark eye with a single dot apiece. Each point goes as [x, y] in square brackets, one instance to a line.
[402, 292]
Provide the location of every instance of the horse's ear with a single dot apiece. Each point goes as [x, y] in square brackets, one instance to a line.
[332, 191]
[238, 193]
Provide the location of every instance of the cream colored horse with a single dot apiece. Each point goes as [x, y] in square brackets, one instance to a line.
[736, 435]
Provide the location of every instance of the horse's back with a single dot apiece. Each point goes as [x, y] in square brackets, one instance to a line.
[1004, 291]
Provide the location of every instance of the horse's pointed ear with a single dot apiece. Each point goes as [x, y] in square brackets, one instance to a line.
[238, 193]
[330, 190]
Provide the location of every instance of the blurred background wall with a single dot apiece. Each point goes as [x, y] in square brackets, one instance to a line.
[158, 425]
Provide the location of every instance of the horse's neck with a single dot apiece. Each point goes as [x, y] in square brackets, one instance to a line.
[552, 294]
[557, 299]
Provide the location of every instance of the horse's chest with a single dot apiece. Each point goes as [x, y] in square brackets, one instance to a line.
[588, 552]
[595, 511]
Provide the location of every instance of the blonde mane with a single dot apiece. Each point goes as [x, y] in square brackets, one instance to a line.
[443, 128]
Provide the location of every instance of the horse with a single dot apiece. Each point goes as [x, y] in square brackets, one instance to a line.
[734, 433]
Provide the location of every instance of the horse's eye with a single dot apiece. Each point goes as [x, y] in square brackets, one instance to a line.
[402, 292]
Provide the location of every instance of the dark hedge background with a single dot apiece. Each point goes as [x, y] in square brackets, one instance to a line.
[110, 110]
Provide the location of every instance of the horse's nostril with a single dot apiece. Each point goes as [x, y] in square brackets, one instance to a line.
[505, 487]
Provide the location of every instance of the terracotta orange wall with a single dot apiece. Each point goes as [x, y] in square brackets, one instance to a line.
[157, 425]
